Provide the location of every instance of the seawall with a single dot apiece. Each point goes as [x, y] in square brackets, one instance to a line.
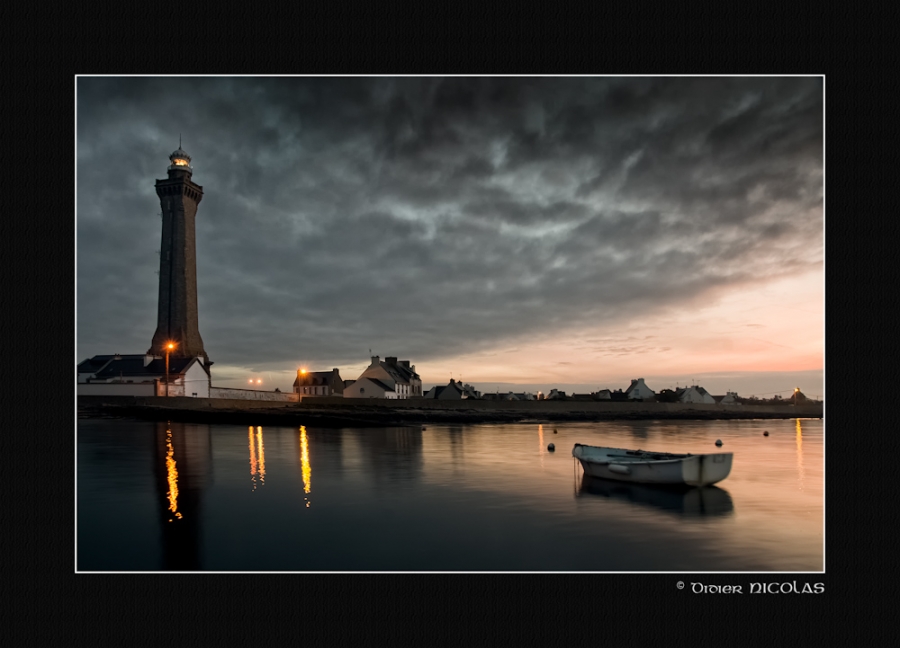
[338, 412]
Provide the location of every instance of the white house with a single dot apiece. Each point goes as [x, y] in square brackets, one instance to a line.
[730, 398]
[369, 388]
[142, 374]
[397, 377]
[694, 394]
[603, 394]
[637, 390]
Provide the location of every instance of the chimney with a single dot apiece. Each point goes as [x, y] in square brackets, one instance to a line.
[335, 370]
[391, 360]
[375, 361]
[405, 363]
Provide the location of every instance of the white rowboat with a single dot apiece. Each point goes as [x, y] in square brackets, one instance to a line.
[644, 467]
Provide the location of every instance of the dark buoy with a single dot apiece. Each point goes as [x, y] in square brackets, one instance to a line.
[423, 428]
[551, 447]
[719, 442]
[554, 430]
[766, 433]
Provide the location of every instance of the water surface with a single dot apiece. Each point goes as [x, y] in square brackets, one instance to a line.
[172, 496]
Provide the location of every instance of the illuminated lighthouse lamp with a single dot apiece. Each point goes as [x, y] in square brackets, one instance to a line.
[180, 160]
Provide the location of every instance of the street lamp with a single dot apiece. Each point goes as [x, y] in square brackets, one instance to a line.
[169, 347]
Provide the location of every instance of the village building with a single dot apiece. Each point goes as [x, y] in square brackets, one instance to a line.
[694, 394]
[470, 392]
[143, 375]
[603, 394]
[390, 376]
[508, 396]
[637, 390]
[453, 391]
[319, 383]
[370, 388]
[730, 398]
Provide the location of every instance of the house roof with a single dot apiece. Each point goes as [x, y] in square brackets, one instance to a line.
[133, 365]
[378, 383]
[397, 372]
[315, 378]
[406, 372]
[96, 363]
[635, 383]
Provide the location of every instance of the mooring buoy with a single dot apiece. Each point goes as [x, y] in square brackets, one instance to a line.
[766, 433]
[423, 428]
[554, 430]
[551, 447]
[719, 442]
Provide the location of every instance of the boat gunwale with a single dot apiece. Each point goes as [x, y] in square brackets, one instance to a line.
[633, 462]
[634, 458]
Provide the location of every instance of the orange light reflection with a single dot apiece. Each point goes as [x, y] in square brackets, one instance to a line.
[252, 458]
[262, 456]
[171, 476]
[304, 463]
[541, 443]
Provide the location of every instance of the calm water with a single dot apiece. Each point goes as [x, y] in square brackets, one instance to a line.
[157, 496]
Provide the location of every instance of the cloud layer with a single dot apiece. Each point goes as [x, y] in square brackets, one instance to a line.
[431, 218]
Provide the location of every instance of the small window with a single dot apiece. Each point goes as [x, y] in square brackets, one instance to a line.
[362, 390]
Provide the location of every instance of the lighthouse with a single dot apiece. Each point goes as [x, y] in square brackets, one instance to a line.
[177, 320]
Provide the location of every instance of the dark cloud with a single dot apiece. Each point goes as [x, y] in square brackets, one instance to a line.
[431, 217]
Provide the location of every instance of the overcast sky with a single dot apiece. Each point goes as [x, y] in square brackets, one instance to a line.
[543, 231]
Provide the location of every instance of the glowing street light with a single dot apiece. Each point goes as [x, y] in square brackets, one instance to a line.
[169, 347]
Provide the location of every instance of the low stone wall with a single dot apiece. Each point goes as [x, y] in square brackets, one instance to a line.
[115, 389]
[252, 394]
[179, 402]
[558, 406]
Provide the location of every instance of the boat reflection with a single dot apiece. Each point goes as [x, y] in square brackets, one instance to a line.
[683, 501]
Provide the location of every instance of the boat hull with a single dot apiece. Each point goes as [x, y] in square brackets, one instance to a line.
[691, 470]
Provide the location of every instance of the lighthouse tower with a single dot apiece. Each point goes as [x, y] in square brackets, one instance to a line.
[177, 320]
